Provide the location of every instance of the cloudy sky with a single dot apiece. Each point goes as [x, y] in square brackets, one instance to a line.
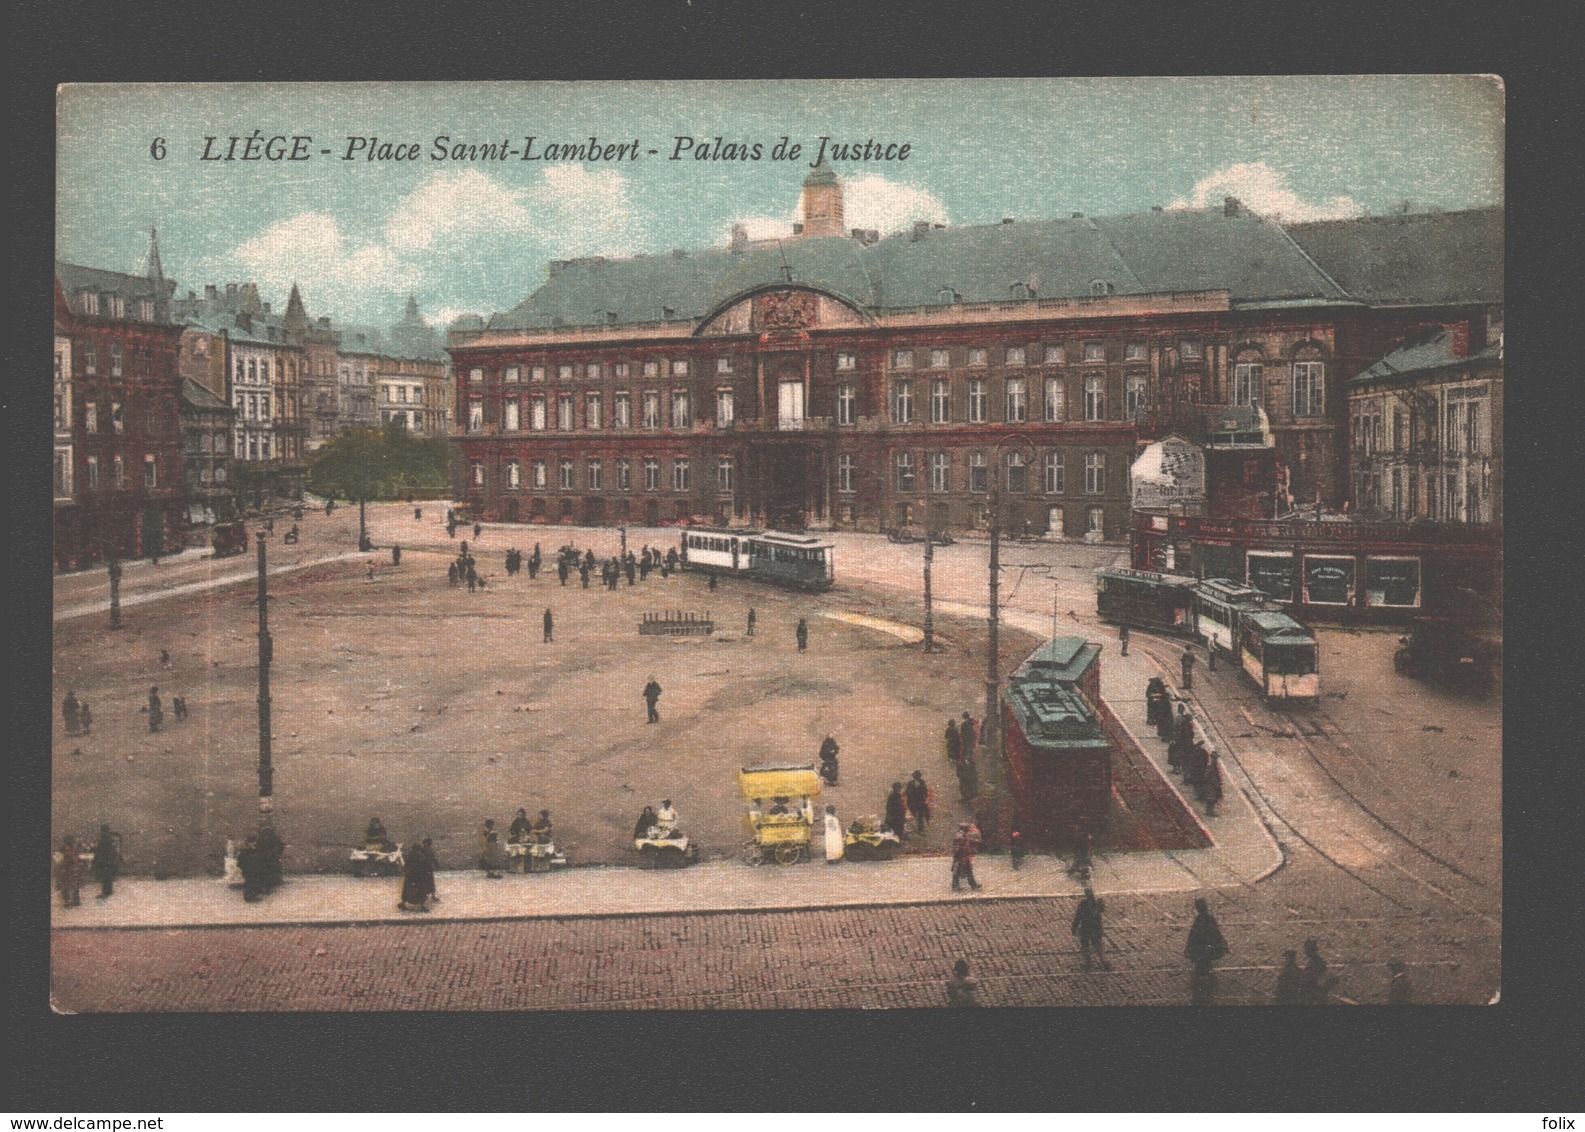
[475, 235]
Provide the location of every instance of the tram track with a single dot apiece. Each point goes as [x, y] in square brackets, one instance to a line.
[1296, 733]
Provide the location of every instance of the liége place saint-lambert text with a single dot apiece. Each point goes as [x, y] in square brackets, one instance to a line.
[260, 145]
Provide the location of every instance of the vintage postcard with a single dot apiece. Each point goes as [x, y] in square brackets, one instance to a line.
[803, 544]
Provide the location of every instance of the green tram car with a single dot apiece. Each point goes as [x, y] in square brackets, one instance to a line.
[800, 562]
[1125, 596]
[1280, 656]
[1218, 605]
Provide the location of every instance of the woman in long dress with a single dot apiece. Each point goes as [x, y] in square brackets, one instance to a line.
[418, 879]
[833, 836]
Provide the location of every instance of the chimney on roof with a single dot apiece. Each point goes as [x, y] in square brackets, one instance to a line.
[1232, 206]
[231, 293]
[738, 244]
[921, 229]
[211, 292]
[324, 322]
[1007, 220]
[1078, 216]
[798, 229]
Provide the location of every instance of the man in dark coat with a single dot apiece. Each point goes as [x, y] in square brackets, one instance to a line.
[1290, 981]
[629, 568]
[550, 624]
[1087, 928]
[271, 847]
[418, 879]
[107, 861]
[252, 874]
[1122, 639]
[451, 574]
[968, 778]
[1155, 701]
[396, 556]
[70, 710]
[897, 811]
[477, 530]
[651, 697]
[1186, 667]
[156, 713]
[954, 742]
[802, 634]
[1317, 985]
[966, 731]
[751, 619]
[918, 795]
[562, 570]
[1205, 946]
[829, 767]
[583, 574]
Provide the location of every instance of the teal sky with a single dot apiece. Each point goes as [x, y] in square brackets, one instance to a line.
[475, 236]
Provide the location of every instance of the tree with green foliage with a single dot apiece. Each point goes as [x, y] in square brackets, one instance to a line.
[373, 463]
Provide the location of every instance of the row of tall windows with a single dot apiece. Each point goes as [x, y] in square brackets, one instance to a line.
[1015, 400]
[535, 411]
[1308, 386]
[118, 474]
[1016, 356]
[595, 478]
[596, 371]
[1016, 472]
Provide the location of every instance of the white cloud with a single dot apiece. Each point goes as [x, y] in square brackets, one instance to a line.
[763, 227]
[311, 249]
[580, 213]
[1265, 191]
[872, 201]
[462, 203]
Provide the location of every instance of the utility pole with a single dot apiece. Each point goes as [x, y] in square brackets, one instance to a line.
[114, 567]
[930, 621]
[266, 654]
[990, 729]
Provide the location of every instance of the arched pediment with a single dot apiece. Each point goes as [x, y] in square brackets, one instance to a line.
[780, 310]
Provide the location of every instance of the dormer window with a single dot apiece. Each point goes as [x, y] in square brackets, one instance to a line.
[947, 296]
[1100, 288]
[1021, 291]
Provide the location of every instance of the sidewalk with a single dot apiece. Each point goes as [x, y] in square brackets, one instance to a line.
[1242, 853]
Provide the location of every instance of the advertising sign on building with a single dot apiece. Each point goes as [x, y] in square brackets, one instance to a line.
[1168, 472]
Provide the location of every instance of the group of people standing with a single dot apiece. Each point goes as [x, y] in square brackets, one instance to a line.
[259, 862]
[73, 866]
[1189, 750]
[961, 737]
[912, 799]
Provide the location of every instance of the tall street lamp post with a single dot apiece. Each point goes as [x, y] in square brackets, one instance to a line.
[266, 654]
[930, 621]
[991, 728]
[114, 568]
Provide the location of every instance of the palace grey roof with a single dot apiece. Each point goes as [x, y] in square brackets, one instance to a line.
[1432, 352]
[1427, 258]
[1447, 257]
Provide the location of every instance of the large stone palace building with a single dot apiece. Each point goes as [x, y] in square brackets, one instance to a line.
[837, 379]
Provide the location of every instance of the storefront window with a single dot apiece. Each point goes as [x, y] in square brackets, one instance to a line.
[1328, 580]
[1392, 582]
[1272, 574]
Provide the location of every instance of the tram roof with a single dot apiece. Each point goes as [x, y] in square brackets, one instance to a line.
[1149, 576]
[807, 541]
[1061, 658]
[1273, 624]
[1053, 713]
[736, 532]
[1227, 589]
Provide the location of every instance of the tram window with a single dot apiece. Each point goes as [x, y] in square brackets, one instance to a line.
[1290, 660]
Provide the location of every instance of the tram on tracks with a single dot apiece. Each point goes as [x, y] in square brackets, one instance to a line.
[1218, 605]
[1280, 656]
[1145, 599]
[801, 562]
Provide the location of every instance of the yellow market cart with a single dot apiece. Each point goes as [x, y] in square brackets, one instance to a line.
[781, 812]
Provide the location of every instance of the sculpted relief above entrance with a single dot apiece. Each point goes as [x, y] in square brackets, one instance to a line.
[789, 311]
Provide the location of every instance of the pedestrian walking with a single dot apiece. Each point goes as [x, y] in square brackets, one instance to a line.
[562, 571]
[252, 874]
[1086, 928]
[711, 586]
[165, 658]
[473, 580]
[897, 811]
[835, 843]
[1122, 638]
[271, 849]
[550, 626]
[69, 873]
[1204, 947]
[396, 555]
[1210, 657]
[71, 712]
[371, 570]
[85, 718]
[1399, 993]
[179, 707]
[418, 879]
[1211, 784]
[451, 574]
[1290, 981]
[1318, 982]
[1186, 667]
[156, 712]
[651, 698]
[802, 633]
[954, 742]
[1083, 863]
[918, 796]
[966, 732]
[968, 779]
[1015, 849]
[490, 850]
[583, 573]
[1155, 702]
[107, 861]
[462, 549]
[750, 631]
[418, 513]
[1181, 738]
[964, 844]
[478, 530]
[829, 766]
[962, 988]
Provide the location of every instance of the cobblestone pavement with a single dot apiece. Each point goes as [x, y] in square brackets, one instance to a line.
[867, 958]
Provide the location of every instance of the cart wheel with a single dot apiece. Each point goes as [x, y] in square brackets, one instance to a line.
[751, 854]
[789, 854]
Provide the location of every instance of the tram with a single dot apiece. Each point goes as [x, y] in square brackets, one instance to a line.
[800, 561]
[1280, 655]
[1218, 605]
[1146, 599]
